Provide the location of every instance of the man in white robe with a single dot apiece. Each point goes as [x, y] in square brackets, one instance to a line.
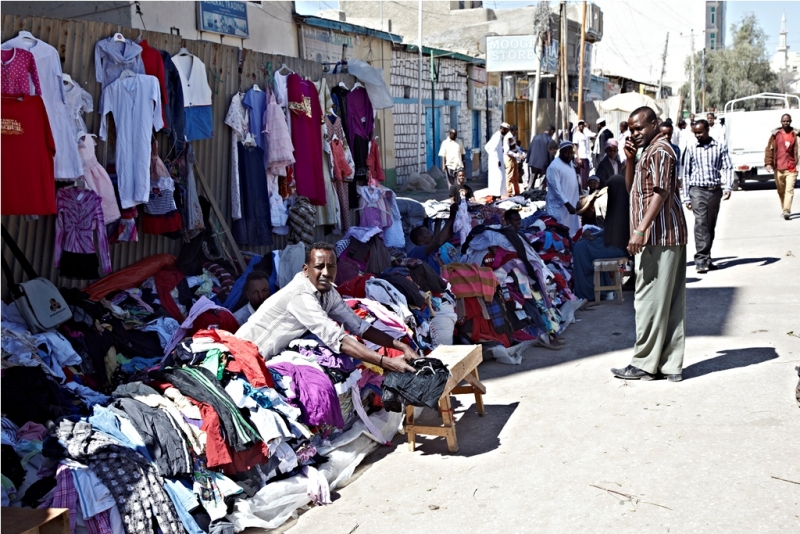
[562, 188]
[497, 169]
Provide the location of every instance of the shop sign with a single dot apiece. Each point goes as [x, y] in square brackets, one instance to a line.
[550, 57]
[325, 46]
[511, 53]
[476, 88]
[227, 18]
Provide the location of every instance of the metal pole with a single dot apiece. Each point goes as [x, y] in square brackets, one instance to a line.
[691, 77]
[535, 94]
[583, 54]
[434, 138]
[565, 69]
[420, 144]
[703, 80]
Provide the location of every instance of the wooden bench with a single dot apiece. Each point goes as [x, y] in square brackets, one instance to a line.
[34, 521]
[615, 267]
[462, 361]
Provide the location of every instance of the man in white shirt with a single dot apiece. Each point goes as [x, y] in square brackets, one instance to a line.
[716, 130]
[497, 169]
[582, 139]
[562, 189]
[256, 291]
[452, 156]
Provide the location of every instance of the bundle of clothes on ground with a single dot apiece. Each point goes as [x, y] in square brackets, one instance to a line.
[145, 412]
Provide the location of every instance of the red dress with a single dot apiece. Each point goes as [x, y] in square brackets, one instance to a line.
[306, 138]
[28, 184]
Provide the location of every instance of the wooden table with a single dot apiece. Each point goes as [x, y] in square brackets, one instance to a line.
[462, 360]
[15, 520]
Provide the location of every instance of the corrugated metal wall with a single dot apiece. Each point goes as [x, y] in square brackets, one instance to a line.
[75, 41]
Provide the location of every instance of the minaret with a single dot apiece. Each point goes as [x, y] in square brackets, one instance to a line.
[783, 49]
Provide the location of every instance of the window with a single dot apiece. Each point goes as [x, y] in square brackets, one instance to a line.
[713, 15]
[713, 44]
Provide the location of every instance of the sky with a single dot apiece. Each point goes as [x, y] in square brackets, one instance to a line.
[634, 31]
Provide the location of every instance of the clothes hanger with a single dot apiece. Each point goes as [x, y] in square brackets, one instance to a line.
[138, 38]
[342, 84]
[183, 52]
[67, 79]
[119, 38]
[256, 88]
[356, 85]
[249, 140]
[127, 73]
[283, 66]
[27, 35]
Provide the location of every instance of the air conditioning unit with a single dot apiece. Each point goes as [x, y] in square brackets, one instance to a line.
[594, 20]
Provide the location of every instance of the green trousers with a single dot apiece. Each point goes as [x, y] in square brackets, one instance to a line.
[660, 305]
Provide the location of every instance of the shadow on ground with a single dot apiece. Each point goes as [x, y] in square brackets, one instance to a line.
[730, 359]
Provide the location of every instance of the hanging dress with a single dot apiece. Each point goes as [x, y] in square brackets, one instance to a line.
[306, 138]
[238, 121]
[97, 179]
[253, 228]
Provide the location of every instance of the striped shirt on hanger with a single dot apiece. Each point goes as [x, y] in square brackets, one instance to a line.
[707, 166]
[657, 169]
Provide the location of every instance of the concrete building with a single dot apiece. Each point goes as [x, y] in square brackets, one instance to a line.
[272, 26]
[715, 25]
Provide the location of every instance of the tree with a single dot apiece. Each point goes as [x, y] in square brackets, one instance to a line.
[740, 70]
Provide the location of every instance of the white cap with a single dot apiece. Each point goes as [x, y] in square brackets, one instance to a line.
[601, 119]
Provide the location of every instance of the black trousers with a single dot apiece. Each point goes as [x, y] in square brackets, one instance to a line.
[705, 206]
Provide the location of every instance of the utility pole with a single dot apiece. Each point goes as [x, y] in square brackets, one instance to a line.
[419, 93]
[703, 80]
[663, 68]
[583, 54]
[691, 76]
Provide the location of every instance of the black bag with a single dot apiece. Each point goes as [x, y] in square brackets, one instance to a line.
[423, 387]
[38, 300]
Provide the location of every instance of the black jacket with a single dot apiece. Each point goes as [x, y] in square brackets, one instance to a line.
[605, 171]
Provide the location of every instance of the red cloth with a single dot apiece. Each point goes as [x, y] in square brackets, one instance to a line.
[28, 184]
[375, 173]
[161, 224]
[307, 123]
[217, 318]
[341, 169]
[784, 151]
[166, 279]
[130, 276]
[482, 329]
[246, 358]
[217, 453]
[154, 66]
[355, 287]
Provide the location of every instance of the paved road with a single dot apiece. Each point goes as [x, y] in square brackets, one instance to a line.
[696, 456]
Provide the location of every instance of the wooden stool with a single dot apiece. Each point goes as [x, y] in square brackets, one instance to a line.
[35, 521]
[614, 266]
[462, 361]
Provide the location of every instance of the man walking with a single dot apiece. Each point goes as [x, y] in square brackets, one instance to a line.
[452, 156]
[582, 138]
[780, 157]
[562, 189]
[658, 241]
[603, 135]
[539, 157]
[497, 171]
[715, 129]
[707, 179]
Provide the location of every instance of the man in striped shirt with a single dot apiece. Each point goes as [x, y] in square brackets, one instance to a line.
[310, 303]
[707, 179]
[658, 241]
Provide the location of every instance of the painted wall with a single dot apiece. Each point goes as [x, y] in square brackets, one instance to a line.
[272, 28]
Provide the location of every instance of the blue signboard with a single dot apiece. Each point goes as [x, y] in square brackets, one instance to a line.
[227, 18]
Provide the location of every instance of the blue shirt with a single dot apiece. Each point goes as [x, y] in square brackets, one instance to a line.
[419, 253]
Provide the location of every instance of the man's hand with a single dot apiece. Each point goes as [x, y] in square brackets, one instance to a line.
[570, 208]
[726, 195]
[635, 244]
[770, 169]
[397, 365]
[410, 354]
[630, 149]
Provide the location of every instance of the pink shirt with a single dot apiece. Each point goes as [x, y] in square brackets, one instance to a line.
[19, 70]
